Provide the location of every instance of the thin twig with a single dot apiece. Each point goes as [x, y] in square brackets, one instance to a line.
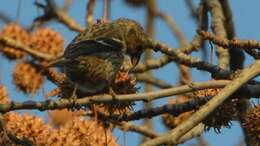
[203, 22]
[185, 75]
[66, 103]
[153, 81]
[106, 10]
[194, 45]
[228, 22]
[68, 21]
[237, 56]
[18, 45]
[217, 25]
[152, 64]
[173, 109]
[188, 60]
[90, 11]
[52, 11]
[247, 45]
[139, 129]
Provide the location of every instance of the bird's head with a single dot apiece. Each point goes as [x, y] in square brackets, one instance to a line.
[135, 38]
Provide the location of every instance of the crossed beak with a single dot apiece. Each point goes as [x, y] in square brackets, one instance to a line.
[135, 59]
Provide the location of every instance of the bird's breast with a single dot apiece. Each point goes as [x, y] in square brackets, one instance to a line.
[94, 72]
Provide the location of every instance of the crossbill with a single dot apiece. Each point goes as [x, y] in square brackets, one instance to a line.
[92, 60]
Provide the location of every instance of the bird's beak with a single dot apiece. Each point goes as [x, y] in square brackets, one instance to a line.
[135, 59]
[57, 63]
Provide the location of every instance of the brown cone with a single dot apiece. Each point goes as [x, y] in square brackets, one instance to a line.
[27, 77]
[124, 84]
[26, 127]
[47, 41]
[4, 98]
[79, 132]
[220, 117]
[252, 125]
[76, 132]
[16, 32]
[61, 117]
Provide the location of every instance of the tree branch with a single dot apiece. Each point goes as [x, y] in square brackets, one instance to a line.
[251, 90]
[18, 45]
[52, 11]
[67, 103]
[152, 80]
[247, 45]
[173, 136]
[188, 60]
[173, 109]
[139, 129]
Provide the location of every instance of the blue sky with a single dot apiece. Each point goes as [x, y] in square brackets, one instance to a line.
[246, 23]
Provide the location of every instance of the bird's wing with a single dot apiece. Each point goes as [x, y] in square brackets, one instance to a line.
[115, 44]
[87, 47]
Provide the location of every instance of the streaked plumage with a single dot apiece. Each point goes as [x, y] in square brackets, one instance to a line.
[95, 56]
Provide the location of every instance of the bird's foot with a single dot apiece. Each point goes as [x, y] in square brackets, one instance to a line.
[112, 93]
[74, 97]
[114, 101]
[94, 110]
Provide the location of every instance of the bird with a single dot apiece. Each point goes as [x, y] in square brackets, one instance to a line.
[94, 57]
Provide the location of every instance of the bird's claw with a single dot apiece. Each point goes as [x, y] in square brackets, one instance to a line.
[74, 97]
[114, 100]
[112, 93]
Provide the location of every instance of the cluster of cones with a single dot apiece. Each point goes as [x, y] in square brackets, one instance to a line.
[26, 75]
[65, 127]
[221, 116]
[72, 130]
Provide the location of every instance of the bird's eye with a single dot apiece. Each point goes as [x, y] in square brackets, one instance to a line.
[131, 31]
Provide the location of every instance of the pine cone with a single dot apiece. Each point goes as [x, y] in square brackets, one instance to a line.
[16, 32]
